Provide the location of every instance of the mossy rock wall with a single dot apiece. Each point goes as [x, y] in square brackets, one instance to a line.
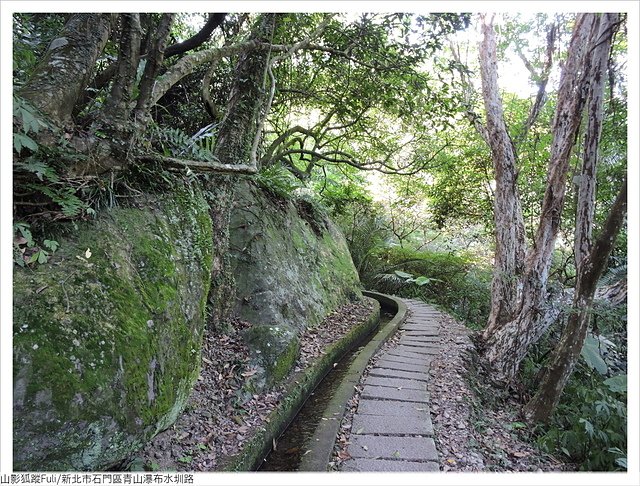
[292, 267]
[107, 346]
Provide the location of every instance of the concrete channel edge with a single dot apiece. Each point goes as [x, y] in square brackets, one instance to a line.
[325, 434]
[300, 387]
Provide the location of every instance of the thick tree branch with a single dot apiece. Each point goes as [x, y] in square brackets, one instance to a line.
[200, 166]
[189, 63]
[127, 65]
[562, 362]
[66, 68]
[154, 60]
[509, 222]
[214, 20]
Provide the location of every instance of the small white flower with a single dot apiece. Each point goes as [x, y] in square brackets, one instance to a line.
[76, 342]
[35, 346]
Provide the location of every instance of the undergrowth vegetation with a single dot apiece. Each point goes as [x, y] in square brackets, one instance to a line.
[589, 427]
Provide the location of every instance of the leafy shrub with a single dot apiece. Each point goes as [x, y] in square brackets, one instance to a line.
[455, 281]
[26, 251]
[589, 426]
[366, 232]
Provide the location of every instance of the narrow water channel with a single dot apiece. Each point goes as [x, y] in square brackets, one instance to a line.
[294, 442]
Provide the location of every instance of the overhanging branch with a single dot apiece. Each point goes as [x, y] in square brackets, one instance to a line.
[200, 166]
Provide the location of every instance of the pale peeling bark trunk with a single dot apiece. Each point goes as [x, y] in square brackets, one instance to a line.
[590, 259]
[235, 139]
[509, 223]
[566, 353]
[587, 186]
[505, 346]
[66, 69]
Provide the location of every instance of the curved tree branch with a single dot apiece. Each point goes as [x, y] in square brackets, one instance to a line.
[189, 63]
[214, 20]
[295, 47]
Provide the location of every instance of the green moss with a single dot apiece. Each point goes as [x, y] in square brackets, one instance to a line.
[274, 348]
[299, 242]
[106, 348]
[285, 361]
[287, 270]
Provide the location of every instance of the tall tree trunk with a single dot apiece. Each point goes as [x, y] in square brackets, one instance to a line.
[585, 211]
[66, 68]
[506, 346]
[236, 134]
[507, 212]
[566, 353]
[590, 259]
[116, 106]
[155, 57]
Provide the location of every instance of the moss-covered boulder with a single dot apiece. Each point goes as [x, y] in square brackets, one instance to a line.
[292, 267]
[107, 334]
[274, 349]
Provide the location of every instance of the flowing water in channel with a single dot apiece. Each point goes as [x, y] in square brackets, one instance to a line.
[294, 442]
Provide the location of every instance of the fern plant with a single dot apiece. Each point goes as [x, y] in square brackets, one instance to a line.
[278, 180]
[174, 142]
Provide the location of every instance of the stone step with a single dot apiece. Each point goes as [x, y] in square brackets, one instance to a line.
[400, 395]
[409, 341]
[387, 373]
[392, 408]
[396, 383]
[423, 338]
[382, 425]
[394, 448]
[404, 359]
[425, 330]
[425, 350]
[386, 465]
[395, 365]
[425, 358]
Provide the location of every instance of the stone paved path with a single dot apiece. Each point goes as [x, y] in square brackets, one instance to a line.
[392, 430]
